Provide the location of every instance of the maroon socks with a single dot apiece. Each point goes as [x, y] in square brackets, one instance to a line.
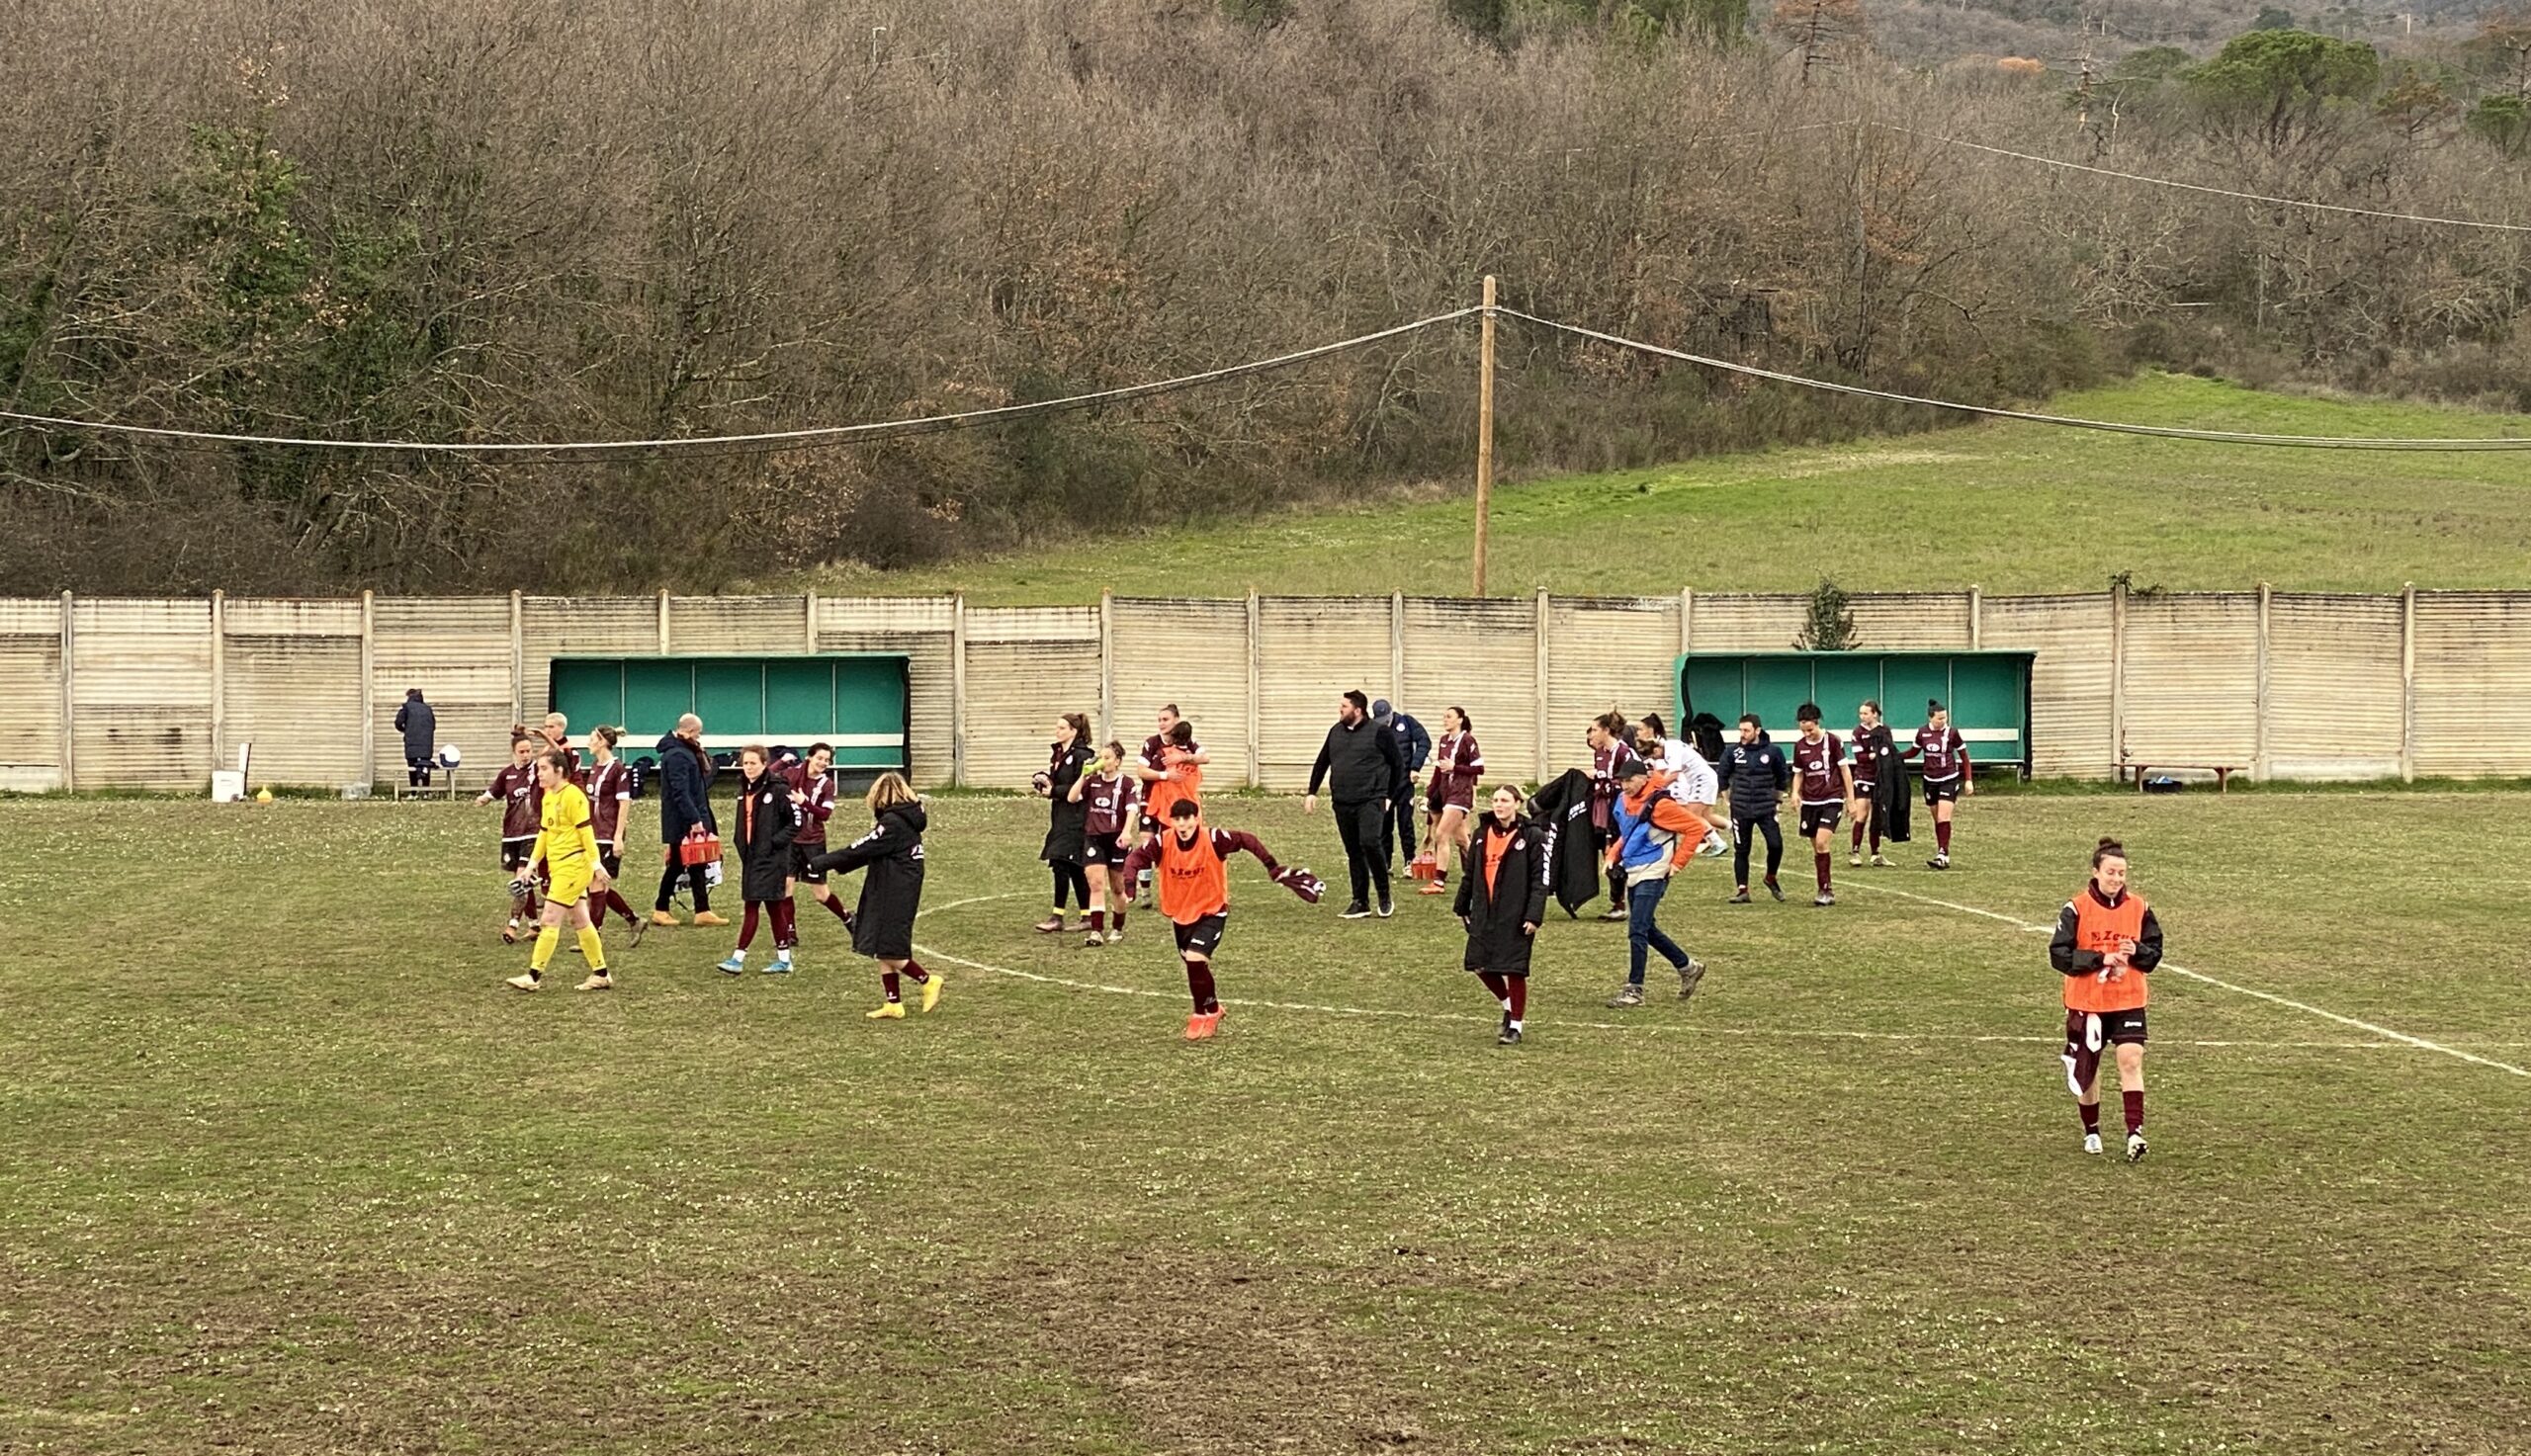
[2135, 1110]
[2091, 1116]
[1942, 836]
[1200, 986]
[746, 926]
[888, 979]
[1822, 857]
[786, 926]
[1519, 995]
[835, 902]
[1494, 982]
[1098, 921]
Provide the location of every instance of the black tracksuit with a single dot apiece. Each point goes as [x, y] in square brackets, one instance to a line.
[1754, 778]
[1359, 765]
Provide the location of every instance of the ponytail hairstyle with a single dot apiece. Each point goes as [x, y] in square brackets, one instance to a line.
[1080, 728]
[1653, 722]
[2108, 848]
[1611, 722]
[1466, 724]
[1181, 734]
[613, 736]
[1115, 750]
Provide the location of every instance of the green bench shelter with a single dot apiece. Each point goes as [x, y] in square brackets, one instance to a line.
[1987, 692]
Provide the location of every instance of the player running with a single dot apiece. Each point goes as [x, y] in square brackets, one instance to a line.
[1193, 882]
[609, 787]
[1108, 793]
[1819, 763]
[522, 808]
[768, 818]
[2107, 942]
[813, 785]
[1502, 903]
[1874, 747]
[1457, 764]
[891, 893]
[1946, 775]
[566, 847]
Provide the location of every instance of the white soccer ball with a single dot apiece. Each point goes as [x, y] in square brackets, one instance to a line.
[449, 757]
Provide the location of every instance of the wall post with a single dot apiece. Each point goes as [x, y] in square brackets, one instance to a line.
[958, 689]
[369, 688]
[664, 622]
[219, 676]
[2407, 683]
[2259, 732]
[810, 631]
[1546, 614]
[70, 701]
[1396, 693]
[1256, 646]
[518, 660]
[2118, 678]
[1686, 621]
[1977, 619]
[1107, 663]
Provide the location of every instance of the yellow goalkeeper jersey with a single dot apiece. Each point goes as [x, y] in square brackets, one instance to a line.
[565, 837]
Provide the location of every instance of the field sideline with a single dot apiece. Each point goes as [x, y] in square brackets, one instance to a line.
[2010, 507]
[283, 1169]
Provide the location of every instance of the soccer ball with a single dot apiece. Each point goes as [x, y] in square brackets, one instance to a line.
[449, 757]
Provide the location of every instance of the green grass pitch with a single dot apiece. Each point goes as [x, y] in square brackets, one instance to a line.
[284, 1169]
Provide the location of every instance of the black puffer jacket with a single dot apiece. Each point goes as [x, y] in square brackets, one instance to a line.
[892, 893]
[766, 821]
[1518, 897]
[1756, 774]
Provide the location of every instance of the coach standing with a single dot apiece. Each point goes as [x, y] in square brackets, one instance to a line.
[1359, 766]
[1414, 746]
[420, 728]
[685, 781]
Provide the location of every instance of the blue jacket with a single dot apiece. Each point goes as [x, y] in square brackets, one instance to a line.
[1638, 844]
[685, 781]
[1414, 746]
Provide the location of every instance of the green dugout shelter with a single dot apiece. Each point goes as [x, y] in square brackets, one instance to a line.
[1988, 693]
[855, 700]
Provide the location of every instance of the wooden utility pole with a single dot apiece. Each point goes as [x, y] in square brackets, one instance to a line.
[1484, 427]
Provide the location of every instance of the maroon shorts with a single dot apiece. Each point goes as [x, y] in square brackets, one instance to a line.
[2087, 1031]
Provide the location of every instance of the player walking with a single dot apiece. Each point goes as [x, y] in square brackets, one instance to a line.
[1657, 834]
[566, 846]
[609, 787]
[1457, 764]
[813, 785]
[1192, 881]
[1754, 771]
[891, 893]
[768, 818]
[522, 808]
[1107, 794]
[1819, 762]
[1502, 903]
[1066, 819]
[1874, 746]
[1946, 775]
[1610, 752]
[2107, 942]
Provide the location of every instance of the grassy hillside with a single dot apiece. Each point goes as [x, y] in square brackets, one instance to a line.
[2012, 507]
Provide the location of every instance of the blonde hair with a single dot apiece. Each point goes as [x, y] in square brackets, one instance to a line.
[888, 791]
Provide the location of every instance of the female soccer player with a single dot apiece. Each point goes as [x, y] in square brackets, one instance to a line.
[1153, 766]
[1192, 882]
[1066, 819]
[1946, 775]
[609, 787]
[1107, 795]
[1874, 746]
[768, 818]
[1610, 751]
[1457, 764]
[1502, 903]
[522, 807]
[812, 784]
[566, 846]
[2107, 942]
[1819, 763]
[892, 893]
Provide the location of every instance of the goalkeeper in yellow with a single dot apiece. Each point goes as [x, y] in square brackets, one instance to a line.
[567, 845]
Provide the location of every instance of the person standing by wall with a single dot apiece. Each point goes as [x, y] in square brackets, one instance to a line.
[419, 724]
[686, 784]
[1414, 746]
[1067, 818]
[1358, 764]
[1153, 766]
[1755, 774]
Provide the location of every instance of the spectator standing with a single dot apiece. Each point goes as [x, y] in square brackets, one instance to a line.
[1755, 773]
[685, 785]
[419, 724]
[1359, 766]
[1414, 746]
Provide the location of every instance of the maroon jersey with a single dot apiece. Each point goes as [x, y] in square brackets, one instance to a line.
[608, 787]
[1817, 764]
[1457, 764]
[1946, 753]
[1155, 746]
[1608, 767]
[522, 803]
[817, 803]
[1110, 799]
[1874, 746]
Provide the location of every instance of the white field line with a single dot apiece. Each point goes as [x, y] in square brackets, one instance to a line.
[935, 953]
[2215, 980]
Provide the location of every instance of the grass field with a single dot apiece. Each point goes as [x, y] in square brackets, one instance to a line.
[2011, 507]
[283, 1169]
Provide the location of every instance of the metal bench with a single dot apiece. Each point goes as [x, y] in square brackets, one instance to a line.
[2223, 772]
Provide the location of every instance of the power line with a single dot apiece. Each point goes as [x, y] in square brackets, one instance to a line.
[773, 440]
[2252, 197]
[2166, 432]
